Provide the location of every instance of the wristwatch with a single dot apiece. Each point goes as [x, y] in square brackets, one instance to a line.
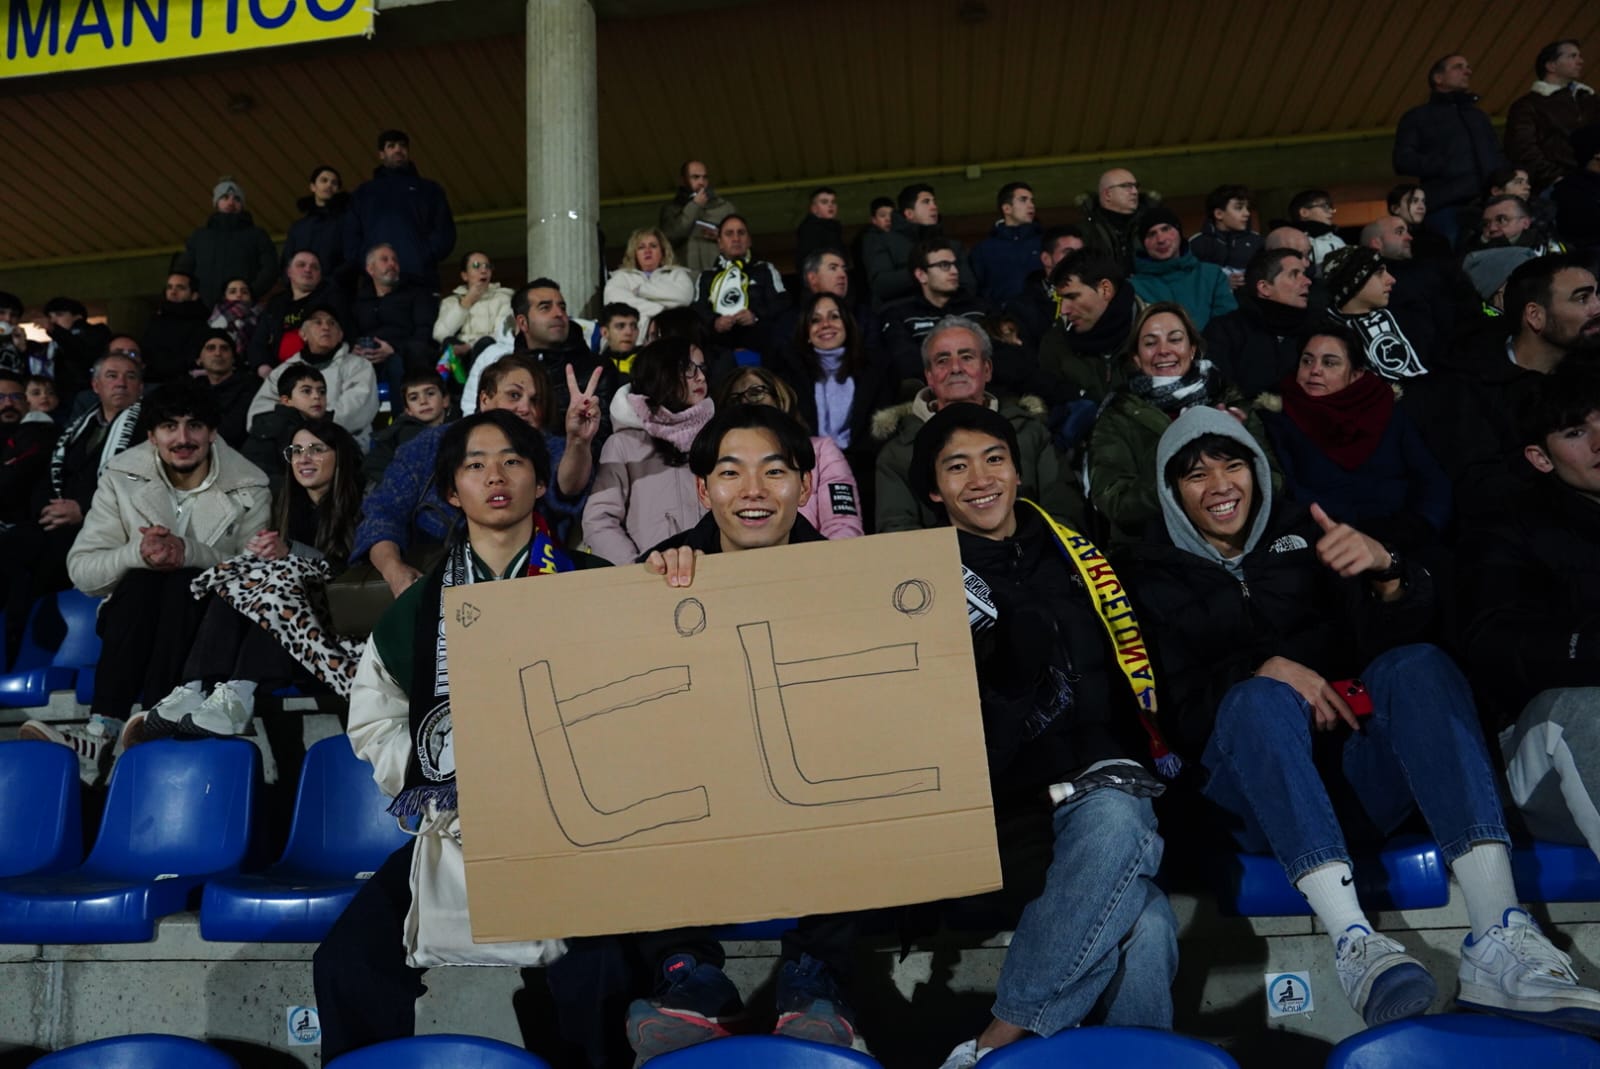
[1396, 569]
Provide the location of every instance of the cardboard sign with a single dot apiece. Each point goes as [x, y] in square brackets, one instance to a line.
[796, 733]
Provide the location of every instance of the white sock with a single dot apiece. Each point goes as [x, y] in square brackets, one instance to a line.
[1484, 873]
[1331, 890]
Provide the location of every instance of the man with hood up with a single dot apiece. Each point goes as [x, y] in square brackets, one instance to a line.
[1277, 626]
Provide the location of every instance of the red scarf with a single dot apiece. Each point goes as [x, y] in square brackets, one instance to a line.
[1348, 425]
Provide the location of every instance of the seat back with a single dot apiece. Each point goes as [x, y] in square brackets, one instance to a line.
[342, 826]
[80, 646]
[177, 807]
[1451, 1040]
[39, 795]
[146, 1051]
[1111, 1046]
[41, 636]
[428, 1052]
[764, 1052]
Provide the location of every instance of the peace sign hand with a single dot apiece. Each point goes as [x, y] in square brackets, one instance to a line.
[583, 409]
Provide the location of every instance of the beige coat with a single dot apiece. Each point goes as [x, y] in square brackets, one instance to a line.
[133, 493]
[352, 392]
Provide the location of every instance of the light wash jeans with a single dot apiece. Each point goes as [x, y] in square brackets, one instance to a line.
[1422, 748]
[1100, 938]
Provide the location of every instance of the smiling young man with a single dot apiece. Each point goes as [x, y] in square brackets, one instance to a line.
[1068, 704]
[1164, 269]
[1289, 643]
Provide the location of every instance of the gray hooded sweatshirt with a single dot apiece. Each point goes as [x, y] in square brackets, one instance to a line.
[1186, 428]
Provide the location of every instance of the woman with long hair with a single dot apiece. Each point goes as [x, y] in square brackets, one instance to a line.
[650, 280]
[836, 383]
[834, 507]
[644, 492]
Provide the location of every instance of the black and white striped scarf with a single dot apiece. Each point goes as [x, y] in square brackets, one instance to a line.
[118, 437]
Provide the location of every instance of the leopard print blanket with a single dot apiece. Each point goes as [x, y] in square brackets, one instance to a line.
[287, 597]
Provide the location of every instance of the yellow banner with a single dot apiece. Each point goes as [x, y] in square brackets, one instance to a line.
[51, 36]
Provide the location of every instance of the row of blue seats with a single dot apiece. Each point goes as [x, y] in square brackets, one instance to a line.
[59, 651]
[1442, 1042]
[177, 821]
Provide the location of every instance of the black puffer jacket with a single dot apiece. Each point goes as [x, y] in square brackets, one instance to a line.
[229, 246]
[322, 231]
[1450, 146]
[1251, 352]
[172, 340]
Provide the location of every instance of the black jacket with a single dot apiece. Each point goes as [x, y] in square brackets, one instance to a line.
[403, 317]
[282, 316]
[229, 246]
[270, 433]
[233, 396]
[322, 231]
[907, 322]
[1210, 631]
[555, 361]
[1232, 249]
[172, 340]
[73, 353]
[874, 390]
[1252, 353]
[1450, 146]
[767, 300]
[24, 463]
[1533, 601]
[706, 536]
[1046, 634]
[815, 234]
[1034, 309]
[401, 208]
[1577, 200]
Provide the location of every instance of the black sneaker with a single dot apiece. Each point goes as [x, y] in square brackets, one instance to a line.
[810, 1006]
[689, 1008]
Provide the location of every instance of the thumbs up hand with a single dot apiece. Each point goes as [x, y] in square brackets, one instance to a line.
[1345, 549]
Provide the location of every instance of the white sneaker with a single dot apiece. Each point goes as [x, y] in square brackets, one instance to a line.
[965, 1056]
[166, 716]
[1380, 979]
[225, 712]
[92, 742]
[1514, 970]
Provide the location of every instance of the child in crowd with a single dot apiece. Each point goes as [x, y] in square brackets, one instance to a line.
[427, 405]
[302, 399]
[43, 401]
[619, 336]
[237, 313]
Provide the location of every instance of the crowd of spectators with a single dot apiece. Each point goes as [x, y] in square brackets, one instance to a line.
[1349, 478]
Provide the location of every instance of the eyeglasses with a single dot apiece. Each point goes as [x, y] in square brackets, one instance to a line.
[695, 370]
[316, 451]
[942, 265]
[1321, 206]
[751, 395]
[22, 397]
[478, 265]
[1124, 185]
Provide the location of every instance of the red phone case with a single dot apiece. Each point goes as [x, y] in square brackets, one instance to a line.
[1354, 693]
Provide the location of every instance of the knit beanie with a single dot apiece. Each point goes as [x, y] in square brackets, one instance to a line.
[1346, 270]
[224, 186]
[960, 416]
[1489, 268]
[1154, 217]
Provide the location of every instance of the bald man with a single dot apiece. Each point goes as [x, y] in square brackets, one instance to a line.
[1111, 215]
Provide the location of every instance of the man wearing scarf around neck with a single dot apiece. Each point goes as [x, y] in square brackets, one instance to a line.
[1256, 345]
[1083, 347]
[738, 295]
[1069, 717]
[412, 913]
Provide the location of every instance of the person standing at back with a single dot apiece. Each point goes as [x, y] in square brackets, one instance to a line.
[399, 208]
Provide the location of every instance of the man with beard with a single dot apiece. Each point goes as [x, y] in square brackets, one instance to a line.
[691, 218]
[231, 389]
[392, 322]
[173, 338]
[164, 510]
[1466, 408]
[1257, 344]
[400, 208]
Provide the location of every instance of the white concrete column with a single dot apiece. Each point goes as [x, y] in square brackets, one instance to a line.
[563, 148]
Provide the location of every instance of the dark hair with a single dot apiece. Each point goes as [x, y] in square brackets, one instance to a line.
[339, 511]
[466, 258]
[1354, 350]
[794, 441]
[386, 136]
[1399, 193]
[726, 219]
[1048, 239]
[1547, 55]
[907, 197]
[239, 278]
[489, 381]
[1503, 198]
[819, 191]
[181, 397]
[296, 373]
[65, 304]
[813, 259]
[319, 168]
[33, 380]
[937, 432]
[519, 300]
[1219, 199]
[1212, 447]
[855, 353]
[783, 395]
[421, 376]
[1304, 199]
[1266, 266]
[218, 334]
[682, 323]
[10, 302]
[1091, 266]
[1564, 398]
[7, 375]
[615, 309]
[187, 276]
[1533, 282]
[880, 202]
[926, 248]
[526, 442]
[1499, 177]
[658, 373]
[1439, 66]
[1007, 191]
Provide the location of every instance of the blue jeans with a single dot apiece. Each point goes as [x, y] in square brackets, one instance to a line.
[1101, 934]
[1421, 748]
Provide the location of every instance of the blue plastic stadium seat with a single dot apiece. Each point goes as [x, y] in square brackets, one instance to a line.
[429, 1052]
[177, 813]
[763, 1052]
[1555, 872]
[340, 835]
[43, 829]
[1408, 873]
[1110, 1046]
[1452, 1040]
[148, 1051]
[754, 930]
[80, 647]
[383, 390]
[35, 675]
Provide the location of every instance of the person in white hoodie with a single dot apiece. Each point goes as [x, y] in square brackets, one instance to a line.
[650, 279]
[478, 308]
[352, 384]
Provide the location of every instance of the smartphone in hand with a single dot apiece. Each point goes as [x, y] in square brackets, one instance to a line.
[1354, 693]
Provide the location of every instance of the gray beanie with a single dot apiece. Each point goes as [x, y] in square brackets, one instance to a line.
[224, 186]
[1489, 268]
